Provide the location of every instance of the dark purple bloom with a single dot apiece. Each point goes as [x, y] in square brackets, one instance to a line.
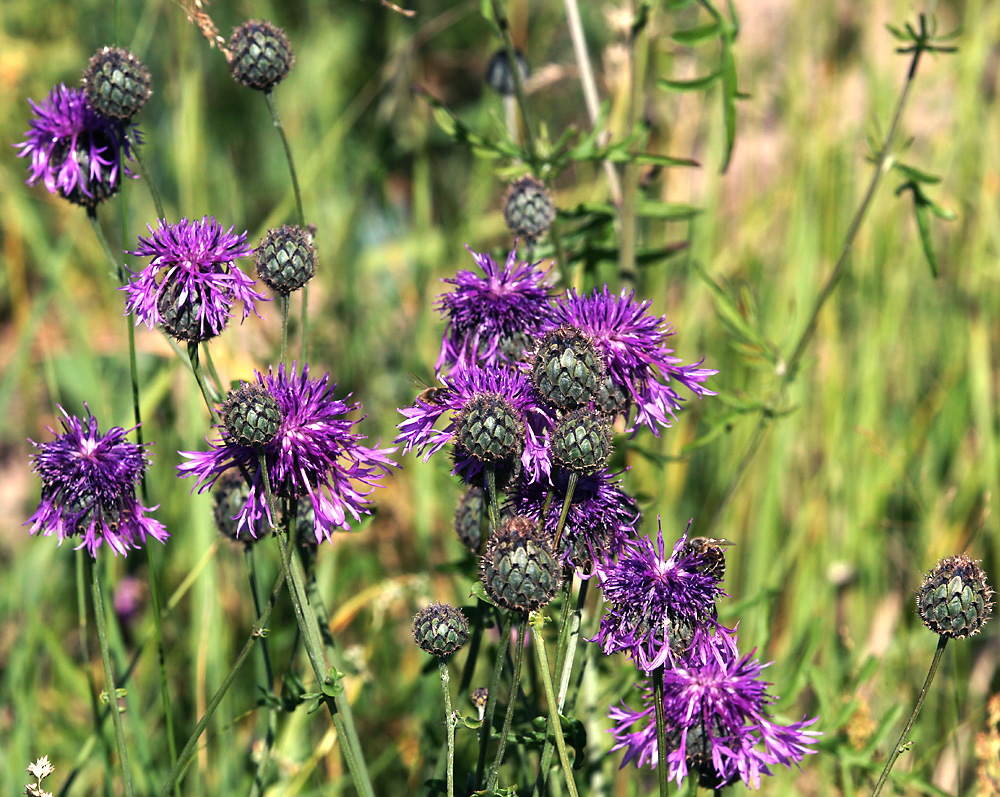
[492, 314]
[194, 261]
[314, 455]
[458, 389]
[655, 602]
[74, 150]
[88, 487]
[632, 343]
[715, 707]
[602, 516]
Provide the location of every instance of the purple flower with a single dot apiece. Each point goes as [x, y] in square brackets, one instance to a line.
[602, 516]
[74, 150]
[492, 315]
[88, 487]
[314, 455]
[459, 390]
[655, 602]
[632, 344]
[715, 707]
[192, 276]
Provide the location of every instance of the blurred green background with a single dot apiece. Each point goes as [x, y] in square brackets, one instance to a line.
[886, 460]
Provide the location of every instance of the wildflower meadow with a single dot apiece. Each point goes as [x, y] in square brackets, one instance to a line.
[515, 397]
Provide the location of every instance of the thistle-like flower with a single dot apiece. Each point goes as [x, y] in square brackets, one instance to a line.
[313, 456]
[492, 313]
[655, 603]
[192, 280]
[632, 344]
[601, 518]
[74, 151]
[88, 488]
[715, 709]
[471, 392]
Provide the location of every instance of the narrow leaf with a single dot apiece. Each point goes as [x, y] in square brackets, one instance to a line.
[693, 36]
[696, 84]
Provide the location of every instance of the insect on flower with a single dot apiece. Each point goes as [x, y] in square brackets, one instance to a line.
[715, 554]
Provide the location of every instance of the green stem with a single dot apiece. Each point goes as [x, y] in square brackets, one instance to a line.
[117, 264]
[285, 300]
[216, 381]
[273, 108]
[661, 731]
[522, 626]
[570, 489]
[196, 370]
[451, 720]
[256, 633]
[537, 621]
[109, 678]
[942, 642]
[157, 202]
[268, 686]
[95, 708]
[304, 332]
[491, 497]
[312, 638]
[787, 370]
[161, 656]
[486, 730]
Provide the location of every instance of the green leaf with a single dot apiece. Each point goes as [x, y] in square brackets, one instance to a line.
[693, 36]
[728, 312]
[479, 591]
[729, 93]
[671, 211]
[663, 160]
[915, 174]
[695, 84]
[920, 210]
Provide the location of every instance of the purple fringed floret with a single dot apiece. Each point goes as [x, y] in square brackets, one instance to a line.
[88, 488]
[492, 310]
[456, 391]
[73, 149]
[632, 342]
[647, 593]
[713, 694]
[314, 456]
[201, 256]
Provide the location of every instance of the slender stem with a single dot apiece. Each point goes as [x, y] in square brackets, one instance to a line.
[661, 731]
[543, 663]
[522, 627]
[117, 264]
[312, 638]
[491, 497]
[570, 489]
[788, 369]
[500, 13]
[304, 332]
[255, 633]
[485, 731]
[285, 300]
[268, 686]
[161, 656]
[196, 370]
[109, 678]
[942, 642]
[157, 202]
[95, 708]
[273, 108]
[451, 720]
[216, 381]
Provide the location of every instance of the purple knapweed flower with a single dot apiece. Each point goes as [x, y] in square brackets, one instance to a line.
[715, 708]
[192, 270]
[314, 456]
[601, 518]
[655, 602]
[88, 487]
[74, 151]
[632, 343]
[462, 389]
[492, 313]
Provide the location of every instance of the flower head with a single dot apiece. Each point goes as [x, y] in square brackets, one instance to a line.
[601, 518]
[468, 388]
[74, 151]
[314, 455]
[192, 280]
[88, 487]
[655, 603]
[492, 313]
[632, 343]
[715, 705]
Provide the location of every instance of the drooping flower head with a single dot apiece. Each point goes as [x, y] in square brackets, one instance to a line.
[655, 603]
[719, 730]
[192, 280]
[74, 151]
[492, 408]
[493, 312]
[88, 488]
[314, 456]
[602, 516]
[641, 370]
